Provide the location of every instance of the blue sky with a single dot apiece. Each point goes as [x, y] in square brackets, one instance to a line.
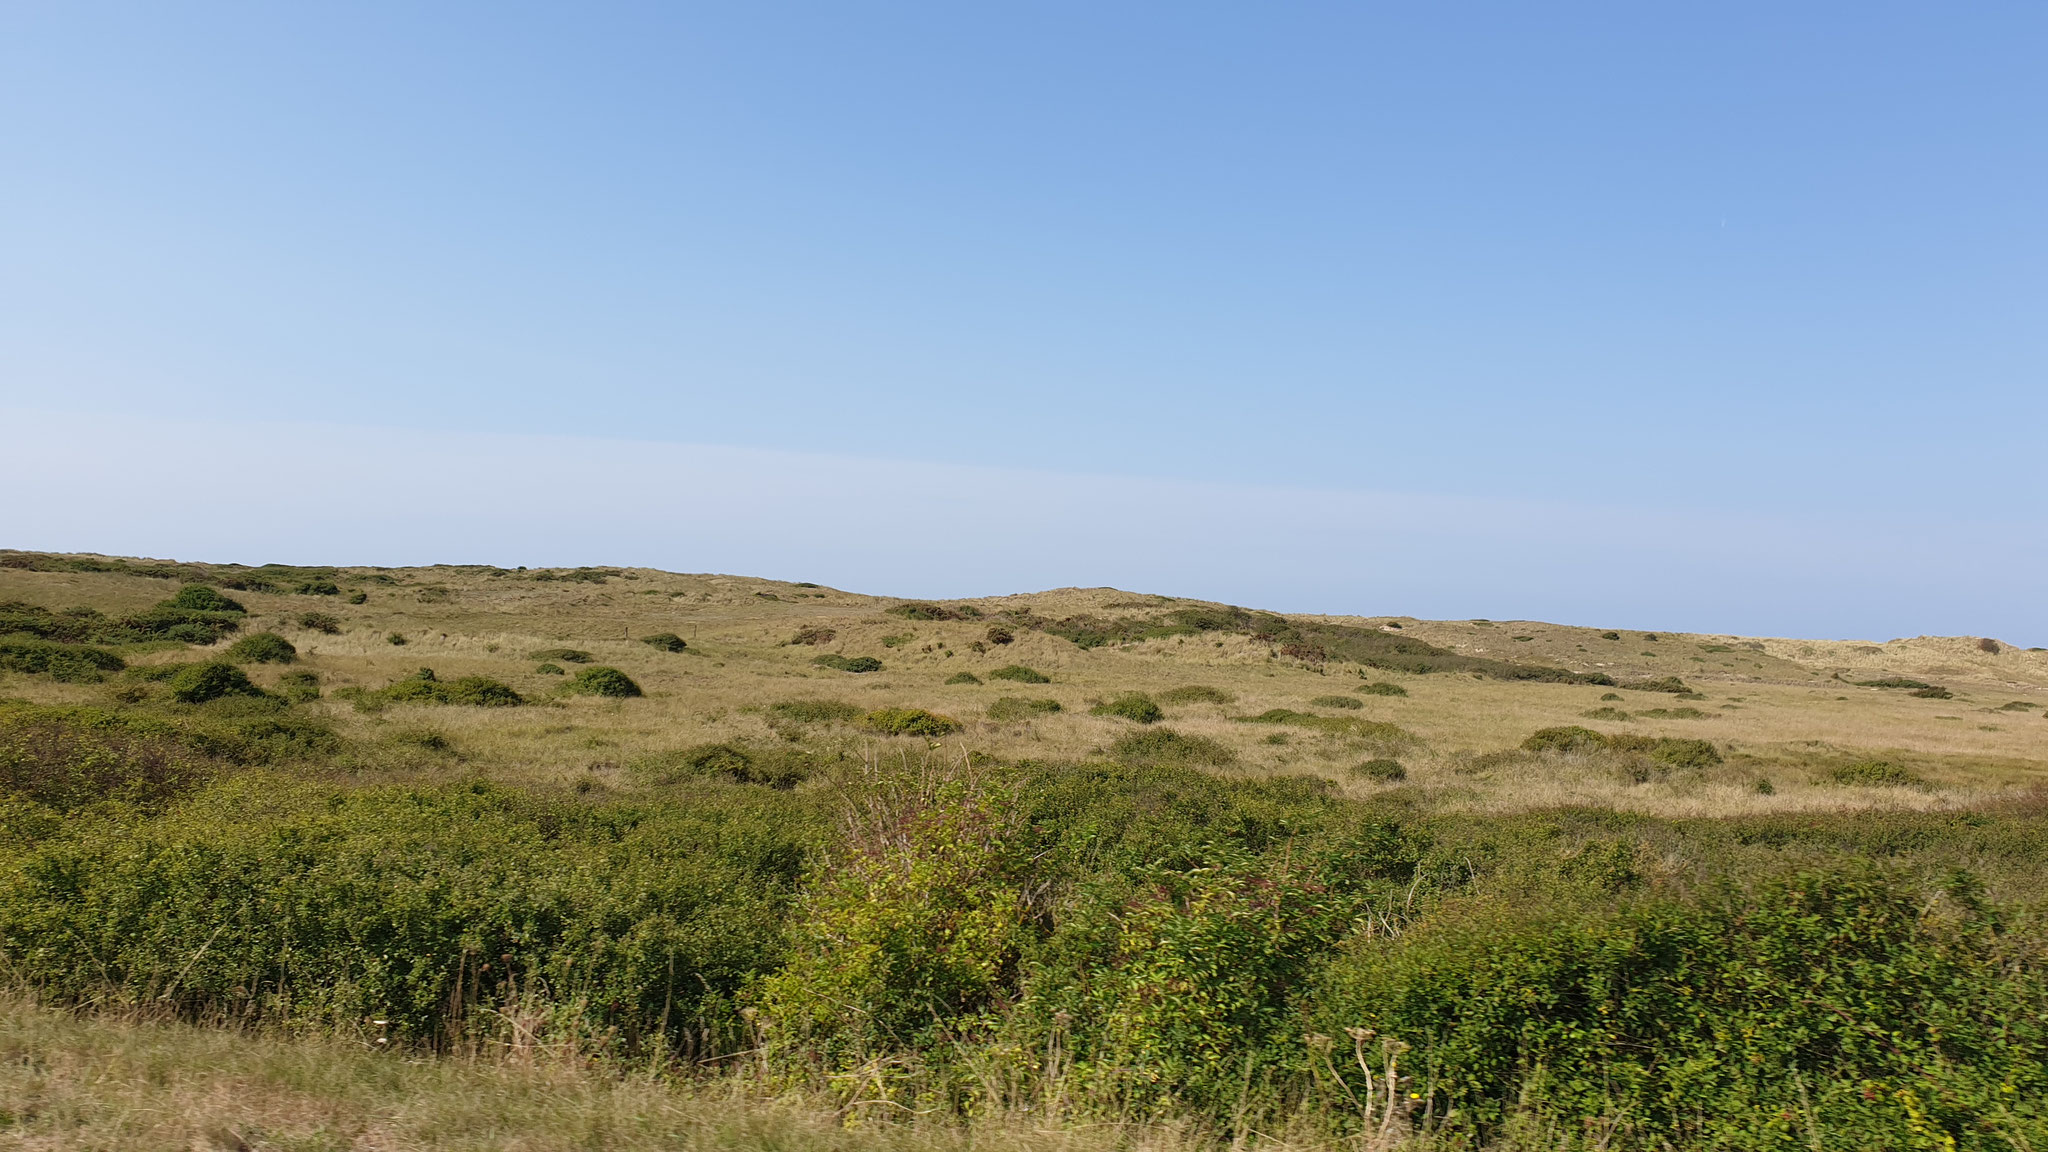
[1741, 272]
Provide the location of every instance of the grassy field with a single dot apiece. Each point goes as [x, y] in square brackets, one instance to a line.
[383, 858]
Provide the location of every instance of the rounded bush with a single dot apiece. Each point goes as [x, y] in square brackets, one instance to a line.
[550, 670]
[1382, 688]
[814, 711]
[1571, 738]
[1163, 747]
[963, 678]
[198, 683]
[840, 663]
[1013, 708]
[1383, 770]
[665, 641]
[1020, 674]
[200, 598]
[1337, 702]
[602, 681]
[908, 722]
[262, 648]
[320, 622]
[1134, 706]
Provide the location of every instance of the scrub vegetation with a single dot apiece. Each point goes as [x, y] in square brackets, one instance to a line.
[1224, 878]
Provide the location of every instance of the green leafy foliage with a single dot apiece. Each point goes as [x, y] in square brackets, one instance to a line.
[320, 622]
[839, 663]
[963, 678]
[1346, 702]
[781, 768]
[200, 598]
[916, 922]
[815, 711]
[665, 642]
[908, 722]
[1010, 708]
[423, 687]
[1164, 747]
[66, 663]
[1875, 774]
[1133, 706]
[921, 611]
[1383, 770]
[1020, 674]
[262, 648]
[563, 655]
[601, 680]
[214, 680]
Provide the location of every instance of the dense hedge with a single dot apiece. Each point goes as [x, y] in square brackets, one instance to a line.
[1143, 939]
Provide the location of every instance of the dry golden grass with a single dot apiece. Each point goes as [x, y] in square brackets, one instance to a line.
[79, 1081]
[1777, 708]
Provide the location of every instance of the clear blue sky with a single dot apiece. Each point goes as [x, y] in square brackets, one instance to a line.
[1712, 264]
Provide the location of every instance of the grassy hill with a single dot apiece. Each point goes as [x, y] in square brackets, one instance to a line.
[1002, 868]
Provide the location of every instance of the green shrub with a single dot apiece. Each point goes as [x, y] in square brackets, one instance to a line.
[815, 711]
[1020, 674]
[1196, 694]
[773, 768]
[837, 662]
[1133, 706]
[1833, 1001]
[1164, 747]
[1662, 684]
[1875, 774]
[665, 642]
[1610, 696]
[299, 687]
[920, 611]
[359, 597]
[262, 648]
[1010, 708]
[395, 639]
[1669, 751]
[424, 906]
[1610, 635]
[1346, 702]
[813, 635]
[1676, 714]
[1372, 730]
[1570, 738]
[549, 670]
[1384, 770]
[320, 622]
[899, 934]
[66, 758]
[565, 655]
[423, 687]
[908, 722]
[1382, 688]
[600, 680]
[963, 678]
[199, 683]
[997, 634]
[66, 663]
[200, 598]
[898, 640]
[1605, 714]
